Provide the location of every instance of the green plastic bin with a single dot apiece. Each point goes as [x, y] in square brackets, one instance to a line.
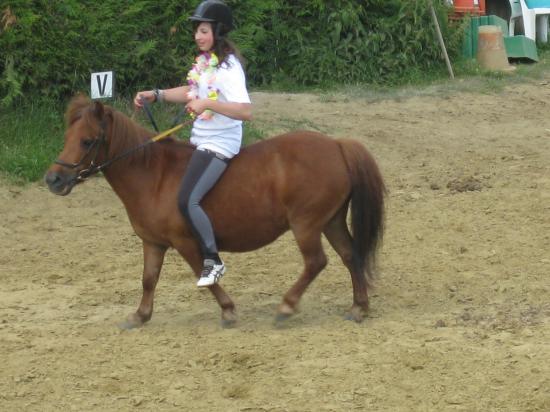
[517, 47]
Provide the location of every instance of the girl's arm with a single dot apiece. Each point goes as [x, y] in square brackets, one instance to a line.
[238, 111]
[174, 95]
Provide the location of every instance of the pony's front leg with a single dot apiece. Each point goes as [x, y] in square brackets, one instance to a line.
[153, 257]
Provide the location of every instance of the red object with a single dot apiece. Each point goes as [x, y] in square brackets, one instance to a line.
[476, 7]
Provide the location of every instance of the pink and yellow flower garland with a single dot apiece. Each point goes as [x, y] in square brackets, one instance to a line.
[205, 63]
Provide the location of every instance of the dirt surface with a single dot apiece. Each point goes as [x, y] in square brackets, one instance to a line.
[459, 320]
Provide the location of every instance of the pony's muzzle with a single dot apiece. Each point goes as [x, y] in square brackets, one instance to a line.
[58, 183]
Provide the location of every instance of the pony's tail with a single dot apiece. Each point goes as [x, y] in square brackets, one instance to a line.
[367, 207]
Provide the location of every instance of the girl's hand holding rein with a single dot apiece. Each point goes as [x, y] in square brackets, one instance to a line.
[148, 95]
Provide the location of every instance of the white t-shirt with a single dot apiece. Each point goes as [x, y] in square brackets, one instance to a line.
[221, 133]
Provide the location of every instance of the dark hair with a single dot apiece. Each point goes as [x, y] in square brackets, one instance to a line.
[223, 47]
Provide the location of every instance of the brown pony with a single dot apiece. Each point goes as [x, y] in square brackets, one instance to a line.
[302, 181]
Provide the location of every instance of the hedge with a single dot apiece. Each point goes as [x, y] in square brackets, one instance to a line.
[49, 48]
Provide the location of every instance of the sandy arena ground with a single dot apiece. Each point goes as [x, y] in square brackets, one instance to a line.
[459, 320]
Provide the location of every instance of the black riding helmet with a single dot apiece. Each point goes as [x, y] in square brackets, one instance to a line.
[214, 11]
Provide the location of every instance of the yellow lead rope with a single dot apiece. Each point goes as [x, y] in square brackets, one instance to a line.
[169, 132]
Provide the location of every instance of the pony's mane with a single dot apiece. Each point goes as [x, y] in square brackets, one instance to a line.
[124, 133]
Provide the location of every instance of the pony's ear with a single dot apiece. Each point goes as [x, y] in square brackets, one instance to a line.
[98, 110]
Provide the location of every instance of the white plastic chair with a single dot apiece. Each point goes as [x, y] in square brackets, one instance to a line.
[535, 21]
[515, 14]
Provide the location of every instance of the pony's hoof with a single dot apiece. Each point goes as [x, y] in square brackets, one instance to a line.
[229, 319]
[284, 313]
[356, 314]
[132, 321]
[228, 324]
[282, 317]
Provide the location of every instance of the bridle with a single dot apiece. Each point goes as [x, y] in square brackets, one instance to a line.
[93, 167]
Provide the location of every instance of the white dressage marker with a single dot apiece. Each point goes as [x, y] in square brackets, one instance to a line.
[102, 85]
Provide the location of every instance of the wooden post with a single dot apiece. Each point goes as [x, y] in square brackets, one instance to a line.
[441, 42]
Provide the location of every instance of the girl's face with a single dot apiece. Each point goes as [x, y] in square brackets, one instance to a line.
[204, 37]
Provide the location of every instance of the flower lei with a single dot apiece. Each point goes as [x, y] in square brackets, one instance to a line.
[205, 63]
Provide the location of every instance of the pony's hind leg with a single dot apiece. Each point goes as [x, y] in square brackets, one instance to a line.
[340, 239]
[153, 257]
[315, 260]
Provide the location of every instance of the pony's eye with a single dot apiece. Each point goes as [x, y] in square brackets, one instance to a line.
[87, 143]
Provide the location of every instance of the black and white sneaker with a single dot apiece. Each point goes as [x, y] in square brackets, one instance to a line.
[211, 273]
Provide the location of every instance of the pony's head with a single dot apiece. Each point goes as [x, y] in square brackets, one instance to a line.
[85, 145]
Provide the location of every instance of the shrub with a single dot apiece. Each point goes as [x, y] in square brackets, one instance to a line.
[50, 48]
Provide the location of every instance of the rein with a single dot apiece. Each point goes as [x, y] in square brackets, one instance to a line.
[94, 168]
[147, 109]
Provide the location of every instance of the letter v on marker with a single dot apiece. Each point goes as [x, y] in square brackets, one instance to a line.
[100, 86]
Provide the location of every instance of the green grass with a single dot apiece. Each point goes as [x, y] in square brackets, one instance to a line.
[30, 138]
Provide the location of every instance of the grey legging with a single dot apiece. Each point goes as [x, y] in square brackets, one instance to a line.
[203, 171]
